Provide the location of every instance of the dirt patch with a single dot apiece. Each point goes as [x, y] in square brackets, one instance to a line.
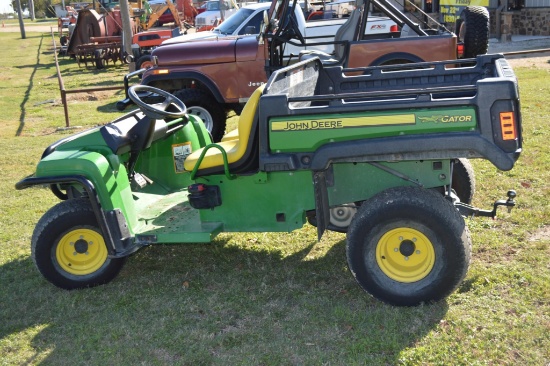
[90, 96]
[540, 61]
[14, 27]
[512, 52]
[542, 234]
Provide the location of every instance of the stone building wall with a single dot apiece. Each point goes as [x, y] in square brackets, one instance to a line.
[524, 22]
[493, 22]
[531, 22]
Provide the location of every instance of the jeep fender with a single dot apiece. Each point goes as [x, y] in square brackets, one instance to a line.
[174, 78]
[396, 58]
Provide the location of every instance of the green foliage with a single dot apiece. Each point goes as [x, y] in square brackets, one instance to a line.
[42, 8]
[260, 299]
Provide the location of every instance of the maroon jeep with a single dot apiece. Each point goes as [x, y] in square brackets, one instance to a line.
[218, 75]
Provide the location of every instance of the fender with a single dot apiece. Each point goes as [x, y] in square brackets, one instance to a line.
[396, 56]
[112, 223]
[189, 75]
[102, 171]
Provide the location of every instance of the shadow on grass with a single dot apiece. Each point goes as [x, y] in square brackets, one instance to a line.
[23, 105]
[109, 108]
[214, 304]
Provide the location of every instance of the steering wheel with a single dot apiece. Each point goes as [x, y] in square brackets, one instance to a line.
[292, 30]
[287, 27]
[157, 111]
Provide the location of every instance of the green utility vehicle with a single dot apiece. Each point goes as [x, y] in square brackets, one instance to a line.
[369, 151]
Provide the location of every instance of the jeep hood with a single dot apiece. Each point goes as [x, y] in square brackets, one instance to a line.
[210, 51]
[206, 52]
[192, 37]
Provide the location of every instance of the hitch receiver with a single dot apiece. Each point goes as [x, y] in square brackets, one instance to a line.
[471, 211]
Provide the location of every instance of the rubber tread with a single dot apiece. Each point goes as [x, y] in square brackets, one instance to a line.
[196, 97]
[56, 221]
[476, 38]
[464, 181]
[421, 209]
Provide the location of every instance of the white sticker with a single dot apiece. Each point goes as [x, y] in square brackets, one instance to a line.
[180, 152]
[296, 77]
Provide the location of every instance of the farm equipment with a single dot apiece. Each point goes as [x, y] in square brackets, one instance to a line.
[64, 23]
[96, 38]
[152, 13]
[144, 42]
[97, 34]
[371, 149]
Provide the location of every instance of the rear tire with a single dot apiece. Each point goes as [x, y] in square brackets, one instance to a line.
[472, 29]
[408, 245]
[464, 181]
[204, 106]
[69, 250]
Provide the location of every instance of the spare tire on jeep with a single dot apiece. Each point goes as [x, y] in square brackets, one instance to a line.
[472, 29]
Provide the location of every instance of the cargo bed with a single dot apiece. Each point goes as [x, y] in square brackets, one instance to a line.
[432, 110]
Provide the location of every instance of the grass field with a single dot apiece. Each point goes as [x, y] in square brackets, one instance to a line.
[260, 299]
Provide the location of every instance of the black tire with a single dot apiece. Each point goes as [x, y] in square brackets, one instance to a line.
[99, 60]
[408, 245]
[464, 181]
[124, 57]
[472, 29]
[144, 61]
[68, 248]
[204, 106]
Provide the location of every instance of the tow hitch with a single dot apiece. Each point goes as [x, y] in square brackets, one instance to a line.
[471, 211]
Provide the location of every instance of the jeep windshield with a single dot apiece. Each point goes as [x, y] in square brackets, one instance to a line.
[234, 21]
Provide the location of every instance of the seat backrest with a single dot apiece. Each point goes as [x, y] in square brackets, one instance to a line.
[246, 118]
[346, 33]
[241, 152]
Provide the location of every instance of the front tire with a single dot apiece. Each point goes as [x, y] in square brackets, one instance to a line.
[69, 250]
[202, 105]
[408, 245]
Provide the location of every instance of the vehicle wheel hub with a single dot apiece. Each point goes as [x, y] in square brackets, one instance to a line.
[405, 255]
[81, 246]
[407, 248]
[204, 115]
[81, 252]
[341, 216]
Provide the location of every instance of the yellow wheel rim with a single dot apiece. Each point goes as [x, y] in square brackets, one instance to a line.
[81, 252]
[405, 255]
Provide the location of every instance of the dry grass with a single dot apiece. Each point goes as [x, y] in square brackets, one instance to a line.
[262, 299]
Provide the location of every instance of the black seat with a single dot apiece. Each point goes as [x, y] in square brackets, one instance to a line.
[343, 35]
